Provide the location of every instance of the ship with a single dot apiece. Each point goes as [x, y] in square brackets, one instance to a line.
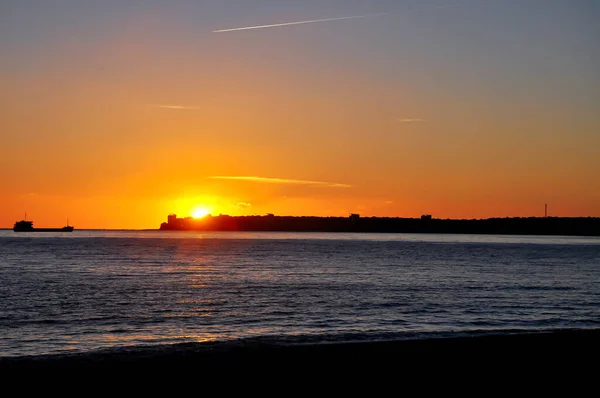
[27, 226]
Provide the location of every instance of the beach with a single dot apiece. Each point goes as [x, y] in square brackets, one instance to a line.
[564, 351]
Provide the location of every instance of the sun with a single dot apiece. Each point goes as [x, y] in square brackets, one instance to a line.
[200, 212]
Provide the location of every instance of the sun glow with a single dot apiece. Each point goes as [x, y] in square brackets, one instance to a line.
[200, 212]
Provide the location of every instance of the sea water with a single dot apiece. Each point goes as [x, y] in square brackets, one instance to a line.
[108, 290]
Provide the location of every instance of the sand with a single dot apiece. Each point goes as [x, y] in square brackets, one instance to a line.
[559, 352]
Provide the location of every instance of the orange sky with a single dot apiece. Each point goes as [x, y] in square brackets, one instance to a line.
[117, 122]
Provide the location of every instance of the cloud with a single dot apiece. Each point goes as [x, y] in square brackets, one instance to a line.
[388, 202]
[411, 120]
[180, 107]
[280, 181]
[244, 205]
[295, 23]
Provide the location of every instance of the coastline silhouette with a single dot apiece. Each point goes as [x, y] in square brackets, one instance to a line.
[571, 226]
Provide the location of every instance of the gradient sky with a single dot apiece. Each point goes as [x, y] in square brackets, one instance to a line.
[115, 113]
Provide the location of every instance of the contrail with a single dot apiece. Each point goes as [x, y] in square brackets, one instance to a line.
[451, 5]
[297, 23]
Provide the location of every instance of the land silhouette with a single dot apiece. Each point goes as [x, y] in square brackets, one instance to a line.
[570, 226]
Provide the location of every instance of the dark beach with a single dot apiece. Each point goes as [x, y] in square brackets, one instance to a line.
[564, 352]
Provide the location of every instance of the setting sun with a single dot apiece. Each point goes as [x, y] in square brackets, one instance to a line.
[200, 212]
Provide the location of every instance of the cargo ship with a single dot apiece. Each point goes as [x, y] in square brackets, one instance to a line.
[27, 226]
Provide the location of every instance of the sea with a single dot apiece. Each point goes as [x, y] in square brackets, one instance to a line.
[109, 291]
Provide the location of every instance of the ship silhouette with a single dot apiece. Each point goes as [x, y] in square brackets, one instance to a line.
[27, 226]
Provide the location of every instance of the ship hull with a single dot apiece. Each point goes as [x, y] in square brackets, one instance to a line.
[64, 229]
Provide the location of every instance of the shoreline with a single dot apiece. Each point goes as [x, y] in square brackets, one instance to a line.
[561, 349]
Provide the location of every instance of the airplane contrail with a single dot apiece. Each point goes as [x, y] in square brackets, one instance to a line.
[296, 23]
[451, 5]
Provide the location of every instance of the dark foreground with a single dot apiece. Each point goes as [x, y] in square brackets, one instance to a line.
[561, 354]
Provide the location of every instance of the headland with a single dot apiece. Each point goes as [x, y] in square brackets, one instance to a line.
[568, 226]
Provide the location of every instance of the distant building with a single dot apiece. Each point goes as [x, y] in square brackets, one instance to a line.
[354, 217]
[172, 219]
[173, 222]
[426, 217]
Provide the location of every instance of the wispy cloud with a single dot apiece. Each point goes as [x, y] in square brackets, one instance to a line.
[411, 120]
[295, 23]
[280, 181]
[180, 107]
[245, 205]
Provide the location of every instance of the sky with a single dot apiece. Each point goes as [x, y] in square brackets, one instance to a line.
[115, 113]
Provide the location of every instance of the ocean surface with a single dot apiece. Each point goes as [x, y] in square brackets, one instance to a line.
[113, 290]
